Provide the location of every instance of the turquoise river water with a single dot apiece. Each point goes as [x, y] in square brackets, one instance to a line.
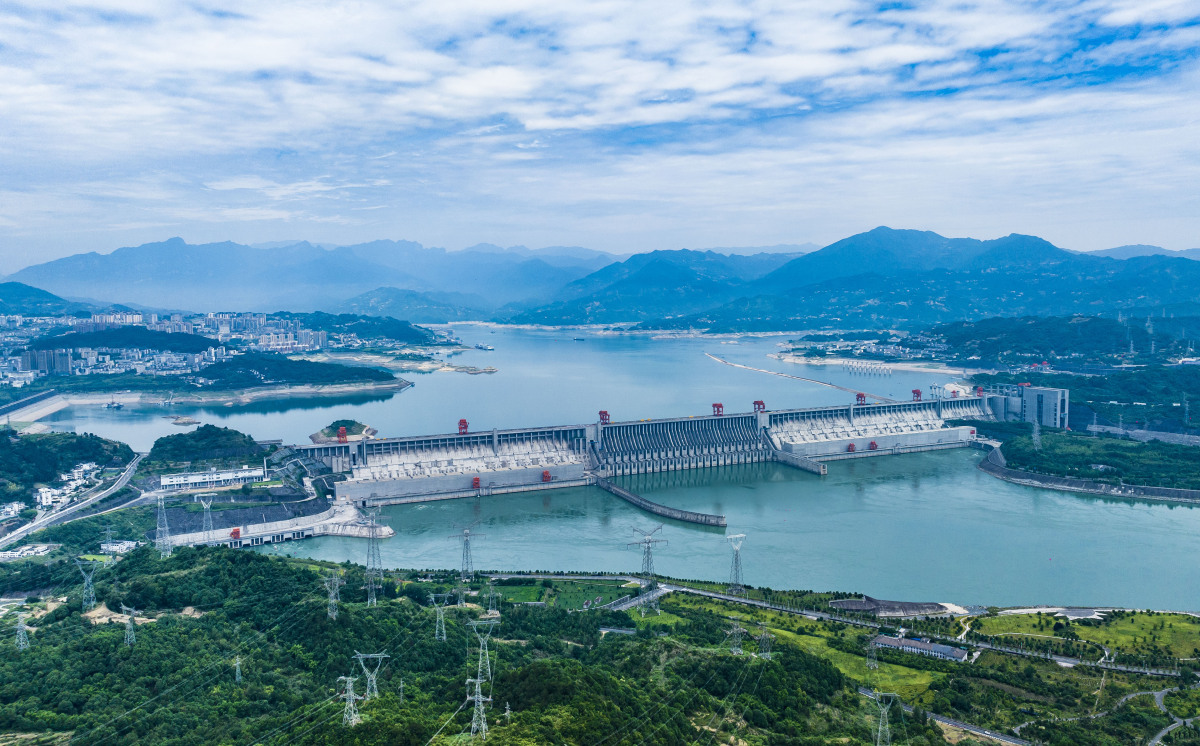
[927, 527]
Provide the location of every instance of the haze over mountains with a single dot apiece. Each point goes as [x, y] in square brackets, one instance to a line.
[881, 277]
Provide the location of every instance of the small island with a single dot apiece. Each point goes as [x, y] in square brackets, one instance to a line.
[331, 433]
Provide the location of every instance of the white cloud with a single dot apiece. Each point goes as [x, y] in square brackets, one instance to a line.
[682, 117]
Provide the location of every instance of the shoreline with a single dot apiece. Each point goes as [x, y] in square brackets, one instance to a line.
[931, 367]
[224, 398]
[375, 360]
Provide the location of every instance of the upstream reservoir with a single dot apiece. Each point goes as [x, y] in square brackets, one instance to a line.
[924, 526]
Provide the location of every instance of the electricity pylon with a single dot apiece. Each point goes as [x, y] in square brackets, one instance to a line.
[22, 633]
[87, 568]
[468, 562]
[883, 732]
[108, 534]
[461, 593]
[237, 670]
[872, 656]
[735, 568]
[374, 581]
[647, 543]
[401, 691]
[439, 627]
[735, 638]
[350, 712]
[130, 633]
[162, 534]
[491, 597]
[333, 583]
[479, 725]
[209, 539]
[483, 630]
[371, 671]
[764, 643]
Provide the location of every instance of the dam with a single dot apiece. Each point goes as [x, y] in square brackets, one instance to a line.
[390, 471]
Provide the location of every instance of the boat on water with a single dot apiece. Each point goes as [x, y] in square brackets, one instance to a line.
[114, 404]
[484, 347]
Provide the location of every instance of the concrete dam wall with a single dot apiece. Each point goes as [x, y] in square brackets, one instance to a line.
[432, 467]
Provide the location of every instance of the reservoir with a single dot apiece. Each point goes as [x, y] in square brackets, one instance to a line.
[923, 527]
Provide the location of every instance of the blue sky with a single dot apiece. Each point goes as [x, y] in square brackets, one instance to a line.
[617, 125]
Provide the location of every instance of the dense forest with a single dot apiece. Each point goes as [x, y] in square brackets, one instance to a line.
[128, 337]
[31, 459]
[206, 442]
[561, 679]
[1106, 459]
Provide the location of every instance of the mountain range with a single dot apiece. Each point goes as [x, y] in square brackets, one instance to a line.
[882, 277]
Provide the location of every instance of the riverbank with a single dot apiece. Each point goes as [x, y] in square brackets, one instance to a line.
[391, 362]
[912, 367]
[995, 465]
[231, 398]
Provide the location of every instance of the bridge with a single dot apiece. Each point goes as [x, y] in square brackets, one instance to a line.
[388, 471]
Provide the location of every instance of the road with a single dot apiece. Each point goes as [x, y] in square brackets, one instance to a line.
[58, 516]
[957, 723]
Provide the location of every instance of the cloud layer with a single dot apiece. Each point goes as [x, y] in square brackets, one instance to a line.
[614, 124]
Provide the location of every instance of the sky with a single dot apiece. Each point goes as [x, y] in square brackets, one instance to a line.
[618, 125]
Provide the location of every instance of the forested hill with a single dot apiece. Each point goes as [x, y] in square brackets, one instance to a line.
[128, 337]
[562, 681]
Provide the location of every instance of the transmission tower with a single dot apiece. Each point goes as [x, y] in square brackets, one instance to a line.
[468, 562]
[491, 597]
[647, 543]
[479, 725]
[333, 584]
[401, 691]
[764, 643]
[483, 630]
[439, 628]
[130, 633]
[209, 539]
[237, 670]
[371, 671]
[461, 593]
[507, 713]
[374, 582]
[87, 568]
[735, 638]
[350, 713]
[872, 656]
[22, 633]
[162, 535]
[735, 568]
[883, 733]
[108, 536]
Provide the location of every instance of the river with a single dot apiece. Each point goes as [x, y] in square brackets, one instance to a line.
[924, 527]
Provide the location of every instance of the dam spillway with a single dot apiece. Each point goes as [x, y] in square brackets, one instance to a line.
[387, 471]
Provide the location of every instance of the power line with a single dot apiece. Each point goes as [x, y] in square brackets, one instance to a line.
[735, 633]
[208, 523]
[479, 725]
[237, 670]
[764, 643]
[439, 626]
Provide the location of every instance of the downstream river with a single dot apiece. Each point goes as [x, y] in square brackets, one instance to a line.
[922, 527]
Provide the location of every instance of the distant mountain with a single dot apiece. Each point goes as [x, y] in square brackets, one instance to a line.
[653, 285]
[887, 277]
[779, 248]
[19, 299]
[300, 276]
[419, 308]
[1135, 250]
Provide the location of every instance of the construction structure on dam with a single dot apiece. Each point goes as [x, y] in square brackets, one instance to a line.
[390, 471]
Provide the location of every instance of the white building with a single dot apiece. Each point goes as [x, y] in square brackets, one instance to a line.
[120, 546]
[211, 478]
